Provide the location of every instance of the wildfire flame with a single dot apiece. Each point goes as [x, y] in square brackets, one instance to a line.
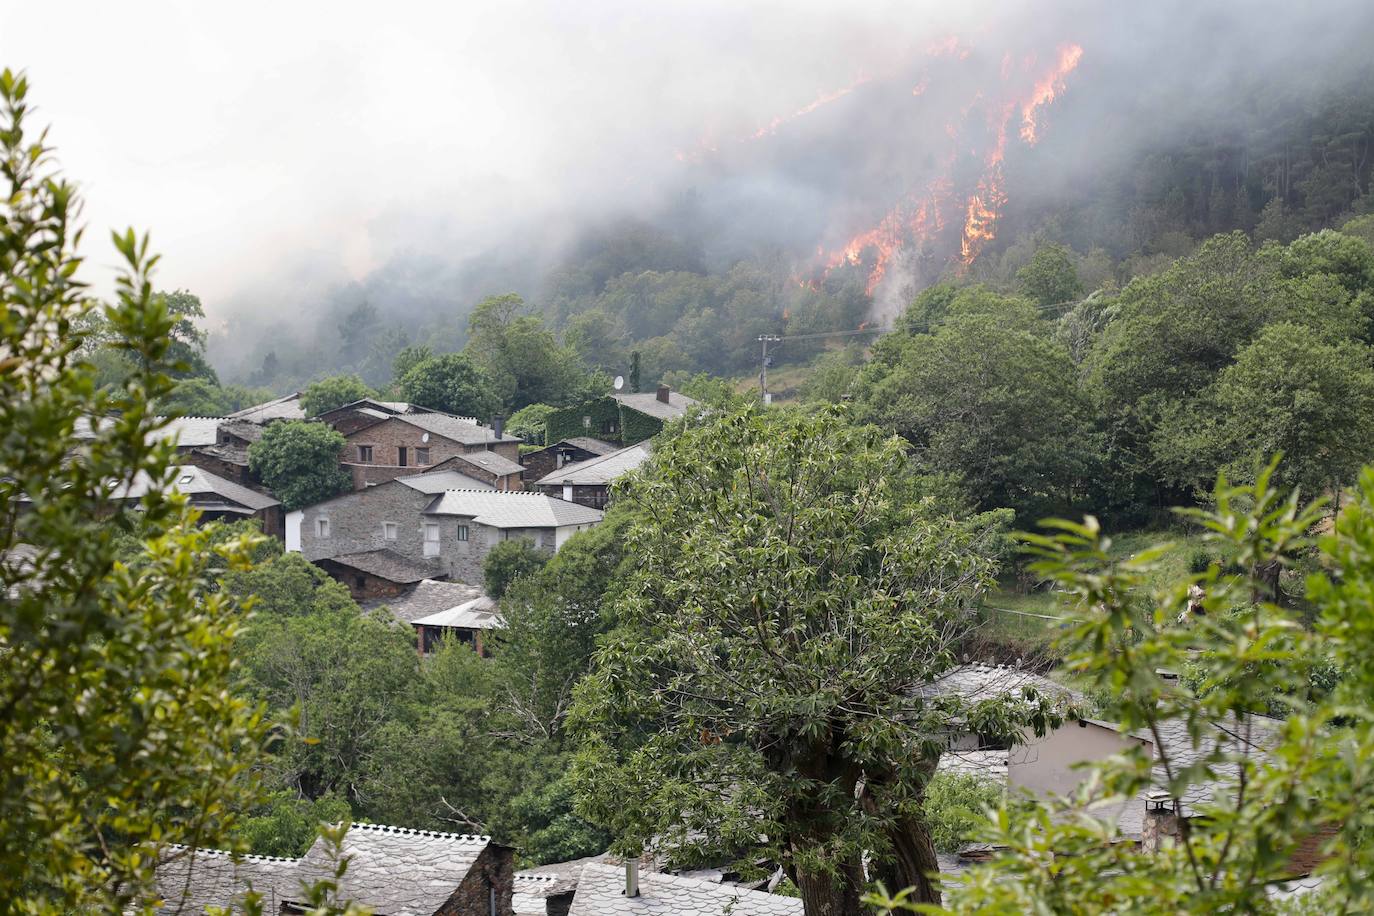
[1047, 89]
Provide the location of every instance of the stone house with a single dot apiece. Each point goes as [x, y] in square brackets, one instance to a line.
[390, 446]
[435, 535]
[393, 871]
[287, 407]
[619, 417]
[228, 455]
[543, 462]
[470, 622]
[217, 498]
[588, 483]
[609, 890]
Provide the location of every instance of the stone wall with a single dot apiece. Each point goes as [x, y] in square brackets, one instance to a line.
[388, 437]
[494, 870]
[542, 463]
[356, 525]
[362, 586]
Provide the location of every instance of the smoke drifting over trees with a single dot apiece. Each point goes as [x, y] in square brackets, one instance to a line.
[774, 164]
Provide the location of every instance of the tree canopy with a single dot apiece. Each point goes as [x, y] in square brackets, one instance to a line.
[299, 461]
[335, 391]
[451, 382]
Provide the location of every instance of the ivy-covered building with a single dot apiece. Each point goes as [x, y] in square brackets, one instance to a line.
[619, 417]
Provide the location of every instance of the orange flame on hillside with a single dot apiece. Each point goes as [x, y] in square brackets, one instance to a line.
[1048, 89]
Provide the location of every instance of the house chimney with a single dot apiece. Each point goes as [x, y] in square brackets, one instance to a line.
[631, 877]
[663, 391]
[498, 425]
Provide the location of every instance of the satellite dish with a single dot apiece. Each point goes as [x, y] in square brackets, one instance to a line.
[424, 437]
[619, 382]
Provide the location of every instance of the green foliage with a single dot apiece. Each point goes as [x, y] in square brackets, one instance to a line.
[987, 396]
[452, 382]
[522, 357]
[335, 391]
[1051, 278]
[286, 825]
[599, 419]
[755, 695]
[530, 423]
[508, 563]
[119, 736]
[199, 397]
[408, 359]
[299, 461]
[1307, 782]
[833, 376]
[955, 808]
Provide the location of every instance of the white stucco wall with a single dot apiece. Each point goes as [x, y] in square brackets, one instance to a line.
[1046, 764]
[293, 530]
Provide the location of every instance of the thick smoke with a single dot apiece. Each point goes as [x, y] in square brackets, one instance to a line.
[296, 160]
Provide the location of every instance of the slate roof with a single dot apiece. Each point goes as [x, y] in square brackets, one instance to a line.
[287, 407]
[426, 597]
[189, 883]
[439, 481]
[186, 432]
[601, 892]
[384, 564]
[242, 429]
[458, 429]
[397, 871]
[512, 509]
[589, 444]
[491, 462]
[1227, 737]
[647, 402]
[532, 891]
[599, 471]
[394, 871]
[231, 454]
[481, 613]
[199, 484]
[978, 682]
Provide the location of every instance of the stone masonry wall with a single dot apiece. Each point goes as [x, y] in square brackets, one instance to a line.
[389, 436]
[494, 869]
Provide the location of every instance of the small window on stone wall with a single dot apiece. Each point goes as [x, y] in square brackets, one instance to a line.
[421, 456]
[389, 531]
[462, 532]
[322, 527]
[431, 539]
[365, 453]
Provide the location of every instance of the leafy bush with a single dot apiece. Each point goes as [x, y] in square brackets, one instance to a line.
[509, 561]
[954, 808]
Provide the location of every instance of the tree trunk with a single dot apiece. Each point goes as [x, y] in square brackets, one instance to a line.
[823, 895]
[913, 862]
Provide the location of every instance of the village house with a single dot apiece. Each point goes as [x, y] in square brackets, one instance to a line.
[380, 540]
[619, 417]
[217, 499]
[544, 461]
[385, 440]
[227, 456]
[393, 871]
[603, 886]
[588, 483]
[470, 623]
[287, 407]
[426, 597]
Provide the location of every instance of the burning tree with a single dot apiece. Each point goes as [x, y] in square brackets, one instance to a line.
[760, 696]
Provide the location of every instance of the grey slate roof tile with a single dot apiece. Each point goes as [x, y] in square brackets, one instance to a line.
[512, 509]
[598, 471]
[383, 563]
[601, 892]
[426, 597]
[648, 403]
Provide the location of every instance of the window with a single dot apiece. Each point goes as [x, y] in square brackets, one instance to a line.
[421, 456]
[322, 527]
[609, 427]
[431, 539]
[186, 479]
[365, 453]
[401, 456]
[389, 531]
[462, 532]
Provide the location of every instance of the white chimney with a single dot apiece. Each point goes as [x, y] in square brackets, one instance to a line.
[631, 877]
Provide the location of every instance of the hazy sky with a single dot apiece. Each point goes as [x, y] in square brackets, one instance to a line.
[314, 140]
[277, 149]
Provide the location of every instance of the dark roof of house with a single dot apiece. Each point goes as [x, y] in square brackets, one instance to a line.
[184, 432]
[464, 430]
[598, 471]
[1256, 736]
[426, 597]
[202, 486]
[287, 407]
[229, 454]
[648, 403]
[601, 892]
[977, 682]
[397, 871]
[374, 407]
[242, 429]
[587, 444]
[492, 463]
[394, 871]
[384, 564]
[188, 880]
[519, 509]
[443, 478]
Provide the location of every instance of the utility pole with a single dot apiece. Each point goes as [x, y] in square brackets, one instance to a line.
[765, 340]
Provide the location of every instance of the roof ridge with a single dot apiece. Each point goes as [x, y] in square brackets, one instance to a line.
[416, 831]
[230, 854]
